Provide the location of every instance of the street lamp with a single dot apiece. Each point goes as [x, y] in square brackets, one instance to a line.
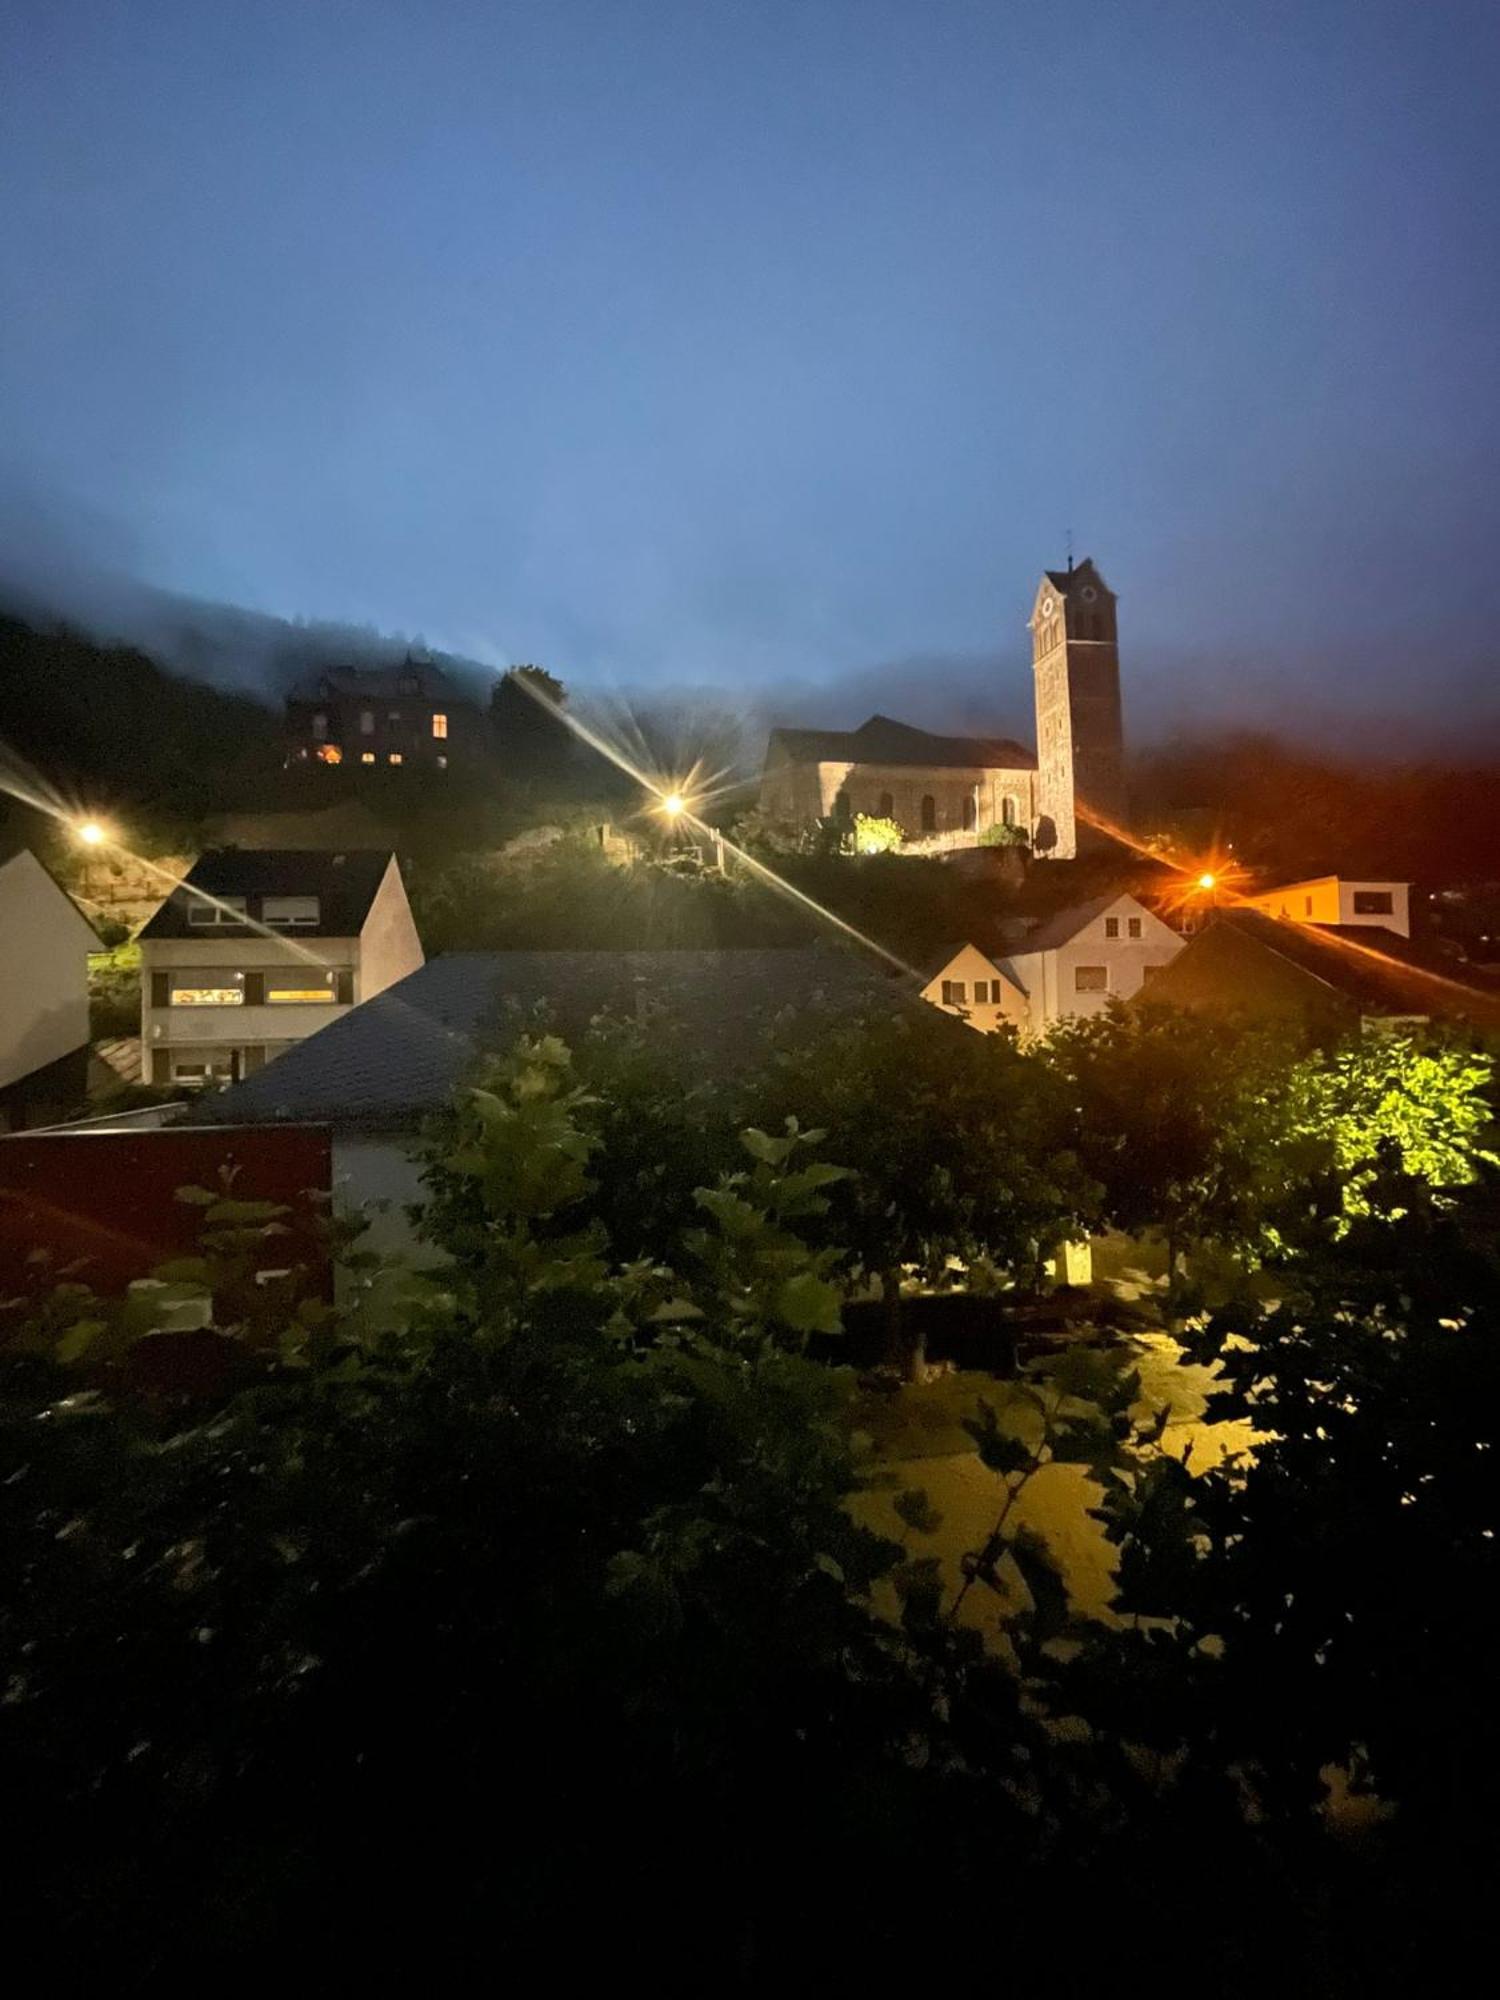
[673, 804]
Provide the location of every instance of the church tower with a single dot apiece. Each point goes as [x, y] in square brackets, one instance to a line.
[1079, 745]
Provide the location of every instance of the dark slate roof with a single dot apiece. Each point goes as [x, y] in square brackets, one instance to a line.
[1064, 925]
[379, 683]
[882, 740]
[1375, 970]
[387, 1064]
[345, 885]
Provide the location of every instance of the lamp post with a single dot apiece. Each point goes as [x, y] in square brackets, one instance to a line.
[89, 834]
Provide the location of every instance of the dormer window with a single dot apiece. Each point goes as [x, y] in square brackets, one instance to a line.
[290, 912]
[222, 910]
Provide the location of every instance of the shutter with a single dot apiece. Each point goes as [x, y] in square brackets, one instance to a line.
[343, 986]
[161, 989]
[255, 989]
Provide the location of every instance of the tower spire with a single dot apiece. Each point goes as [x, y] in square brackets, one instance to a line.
[1070, 552]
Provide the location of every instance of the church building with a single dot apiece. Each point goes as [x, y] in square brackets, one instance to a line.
[1062, 797]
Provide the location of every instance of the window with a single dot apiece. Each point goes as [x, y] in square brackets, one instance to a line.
[394, 716]
[1306, 907]
[981, 993]
[394, 758]
[1008, 810]
[408, 684]
[1372, 903]
[367, 756]
[1111, 926]
[198, 986]
[367, 722]
[440, 726]
[290, 909]
[971, 813]
[887, 806]
[1133, 925]
[222, 910]
[330, 753]
[442, 763]
[300, 996]
[929, 813]
[320, 725]
[1090, 979]
[955, 993]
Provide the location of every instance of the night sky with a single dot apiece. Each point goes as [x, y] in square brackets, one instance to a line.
[760, 343]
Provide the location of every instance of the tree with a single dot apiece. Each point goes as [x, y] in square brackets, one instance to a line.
[532, 742]
[1178, 1117]
[958, 1141]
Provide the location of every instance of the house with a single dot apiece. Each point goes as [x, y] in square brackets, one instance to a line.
[888, 770]
[261, 948]
[1066, 797]
[1075, 962]
[1329, 899]
[1331, 977]
[977, 987]
[44, 995]
[413, 717]
[374, 1077]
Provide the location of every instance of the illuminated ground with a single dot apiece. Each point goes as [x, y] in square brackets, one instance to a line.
[920, 1441]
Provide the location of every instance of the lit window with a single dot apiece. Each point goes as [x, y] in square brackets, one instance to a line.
[302, 996]
[330, 753]
[367, 756]
[1090, 979]
[198, 988]
[1135, 926]
[1111, 926]
[224, 910]
[440, 726]
[367, 722]
[394, 758]
[290, 909]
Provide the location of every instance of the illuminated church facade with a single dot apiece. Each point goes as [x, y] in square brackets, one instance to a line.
[948, 789]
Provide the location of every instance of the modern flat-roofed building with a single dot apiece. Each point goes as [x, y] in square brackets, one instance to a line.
[1332, 899]
[261, 948]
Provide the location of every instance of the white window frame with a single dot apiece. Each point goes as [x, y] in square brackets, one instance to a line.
[306, 916]
[204, 915]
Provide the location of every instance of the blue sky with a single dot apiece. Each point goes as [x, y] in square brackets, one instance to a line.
[760, 344]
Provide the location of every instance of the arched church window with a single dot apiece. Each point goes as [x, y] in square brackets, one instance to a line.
[971, 813]
[929, 813]
[1008, 810]
[887, 806]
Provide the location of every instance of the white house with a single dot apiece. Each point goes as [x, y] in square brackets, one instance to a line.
[1074, 963]
[44, 995]
[1329, 899]
[261, 948]
[979, 988]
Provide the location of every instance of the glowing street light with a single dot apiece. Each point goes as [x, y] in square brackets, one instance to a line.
[1207, 880]
[91, 833]
[673, 804]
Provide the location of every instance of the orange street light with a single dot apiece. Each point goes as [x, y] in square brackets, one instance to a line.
[91, 833]
[1207, 881]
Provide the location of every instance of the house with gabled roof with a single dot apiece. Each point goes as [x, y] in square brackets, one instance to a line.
[260, 948]
[44, 994]
[1074, 963]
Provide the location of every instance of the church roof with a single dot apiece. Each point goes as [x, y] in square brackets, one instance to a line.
[882, 740]
[1063, 580]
